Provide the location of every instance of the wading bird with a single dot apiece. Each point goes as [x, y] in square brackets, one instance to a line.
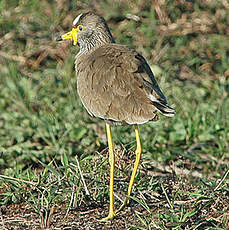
[116, 84]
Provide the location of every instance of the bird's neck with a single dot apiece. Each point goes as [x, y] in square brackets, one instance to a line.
[95, 41]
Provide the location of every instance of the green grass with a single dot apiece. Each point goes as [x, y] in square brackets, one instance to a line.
[49, 144]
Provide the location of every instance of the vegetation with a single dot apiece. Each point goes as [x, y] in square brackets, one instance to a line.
[54, 170]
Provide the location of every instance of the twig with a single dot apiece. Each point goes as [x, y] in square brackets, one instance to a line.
[133, 17]
[197, 146]
[166, 195]
[18, 180]
[222, 180]
[117, 196]
[178, 171]
[46, 217]
[71, 201]
[20, 59]
[3, 222]
[81, 174]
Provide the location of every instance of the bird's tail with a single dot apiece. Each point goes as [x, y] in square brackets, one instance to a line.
[163, 108]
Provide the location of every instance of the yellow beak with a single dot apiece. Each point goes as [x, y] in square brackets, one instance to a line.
[70, 35]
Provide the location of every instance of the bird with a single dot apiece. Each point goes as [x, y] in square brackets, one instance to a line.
[116, 84]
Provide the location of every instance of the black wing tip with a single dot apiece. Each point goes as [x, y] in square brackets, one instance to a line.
[165, 109]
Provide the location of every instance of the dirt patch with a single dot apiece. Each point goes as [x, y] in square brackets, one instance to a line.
[22, 216]
[173, 202]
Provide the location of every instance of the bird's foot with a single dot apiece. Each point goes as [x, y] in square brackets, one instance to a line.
[110, 216]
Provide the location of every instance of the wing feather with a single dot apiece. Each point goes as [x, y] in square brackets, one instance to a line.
[116, 83]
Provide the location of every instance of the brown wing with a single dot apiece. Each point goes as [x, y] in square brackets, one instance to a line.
[115, 83]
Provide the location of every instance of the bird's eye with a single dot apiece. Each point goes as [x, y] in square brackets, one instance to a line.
[80, 28]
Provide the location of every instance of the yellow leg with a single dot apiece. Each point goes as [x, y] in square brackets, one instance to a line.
[138, 157]
[112, 164]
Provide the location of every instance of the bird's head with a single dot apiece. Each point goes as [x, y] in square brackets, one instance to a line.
[88, 30]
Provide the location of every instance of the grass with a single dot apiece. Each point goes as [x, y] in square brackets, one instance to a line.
[54, 170]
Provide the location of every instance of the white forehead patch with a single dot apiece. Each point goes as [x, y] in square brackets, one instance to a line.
[76, 19]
